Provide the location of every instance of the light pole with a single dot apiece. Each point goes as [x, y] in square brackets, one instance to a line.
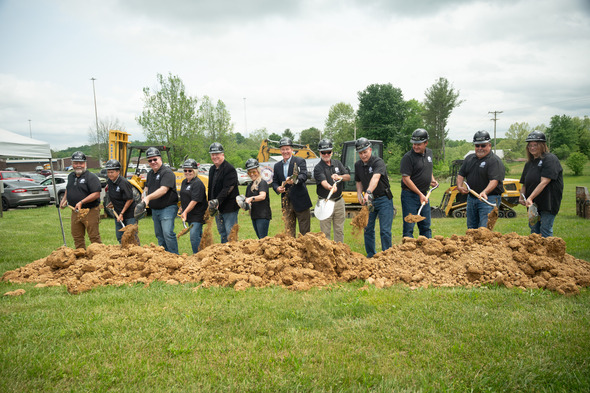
[96, 117]
[30, 130]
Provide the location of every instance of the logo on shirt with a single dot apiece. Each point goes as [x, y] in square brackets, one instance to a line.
[337, 170]
[82, 181]
[158, 176]
[482, 165]
[118, 189]
[370, 169]
[540, 163]
[188, 188]
[429, 159]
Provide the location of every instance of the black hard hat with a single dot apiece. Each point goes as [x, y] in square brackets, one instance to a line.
[481, 137]
[536, 136]
[215, 147]
[152, 152]
[113, 165]
[419, 135]
[285, 141]
[325, 145]
[78, 156]
[362, 144]
[251, 163]
[190, 164]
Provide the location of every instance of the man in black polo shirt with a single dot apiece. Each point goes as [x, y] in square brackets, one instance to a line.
[416, 169]
[83, 192]
[326, 173]
[484, 172]
[161, 197]
[120, 194]
[370, 175]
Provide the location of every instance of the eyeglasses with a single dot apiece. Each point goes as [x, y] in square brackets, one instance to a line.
[188, 171]
[326, 152]
[153, 160]
[481, 146]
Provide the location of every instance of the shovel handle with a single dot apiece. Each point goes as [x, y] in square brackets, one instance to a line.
[475, 194]
[118, 218]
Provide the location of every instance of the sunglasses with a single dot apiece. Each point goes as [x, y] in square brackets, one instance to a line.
[153, 160]
[484, 145]
[188, 171]
[326, 152]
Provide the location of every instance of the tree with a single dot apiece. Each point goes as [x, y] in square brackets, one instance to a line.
[310, 136]
[576, 163]
[514, 145]
[340, 124]
[382, 113]
[274, 137]
[441, 98]
[562, 136]
[414, 120]
[99, 139]
[169, 117]
[289, 134]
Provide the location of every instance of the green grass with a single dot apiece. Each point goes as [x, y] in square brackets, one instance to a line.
[339, 338]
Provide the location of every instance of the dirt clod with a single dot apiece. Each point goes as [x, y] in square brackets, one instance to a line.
[360, 221]
[412, 218]
[479, 257]
[492, 218]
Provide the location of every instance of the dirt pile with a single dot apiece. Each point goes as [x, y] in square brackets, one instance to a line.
[479, 257]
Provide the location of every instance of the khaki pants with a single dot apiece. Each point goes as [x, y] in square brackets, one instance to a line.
[89, 223]
[304, 218]
[337, 218]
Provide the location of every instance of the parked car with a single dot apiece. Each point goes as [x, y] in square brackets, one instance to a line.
[102, 176]
[243, 177]
[22, 193]
[13, 175]
[37, 177]
[204, 169]
[45, 172]
[39, 168]
[61, 181]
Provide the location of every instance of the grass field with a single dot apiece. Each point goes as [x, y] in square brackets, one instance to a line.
[339, 338]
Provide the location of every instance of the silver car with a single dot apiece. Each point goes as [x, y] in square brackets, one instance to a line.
[61, 181]
[22, 193]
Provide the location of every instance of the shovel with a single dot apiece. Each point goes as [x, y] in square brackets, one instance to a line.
[325, 207]
[533, 213]
[185, 230]
[140, 211]
[493, 215]
[417, 218]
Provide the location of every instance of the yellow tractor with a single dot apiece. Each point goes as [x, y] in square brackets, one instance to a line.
[454, 203]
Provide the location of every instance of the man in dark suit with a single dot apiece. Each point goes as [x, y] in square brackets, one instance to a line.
[294, 196]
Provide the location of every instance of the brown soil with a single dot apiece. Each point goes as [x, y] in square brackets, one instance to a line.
[479, 257]
[492, 218]
[183, 232]
[207, 237]
[233, 234]
[360, 221]
[412, 218]
[130, 235]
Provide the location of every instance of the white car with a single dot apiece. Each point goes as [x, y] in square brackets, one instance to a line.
[243, 178]
[61, 181]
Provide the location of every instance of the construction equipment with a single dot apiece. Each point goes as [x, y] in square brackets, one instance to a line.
[121, 150]
[454, 203]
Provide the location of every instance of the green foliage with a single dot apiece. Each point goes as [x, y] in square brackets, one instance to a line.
[562, 152]
[514, 144]
[441, 169]
[382, 114]
[289, 134]
[576, 162]
[414, 120]
[562, 133]
[441, 99]
[274, 137]
[393, 154]
[340, 124]
[310, 136]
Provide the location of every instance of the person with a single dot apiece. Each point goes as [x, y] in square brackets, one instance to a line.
[542, 183]
[295, 199]
[120, 193]
[258, 198]
[326, 173]
[416, 169]
[161, 196]
[484, 173]
[193, 202]
[223, 190]
[370, 175]
[83, 192]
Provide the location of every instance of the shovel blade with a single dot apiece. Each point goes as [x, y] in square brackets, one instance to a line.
[139, 211]
[323, 209]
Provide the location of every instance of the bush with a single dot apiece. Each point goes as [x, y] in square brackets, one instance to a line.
[576, 162]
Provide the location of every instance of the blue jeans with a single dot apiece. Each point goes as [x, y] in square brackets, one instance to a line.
[410, 205]
[164, 227]
[225, 223]
[261, 227]
[195, 233]
[477, 211]
[383, 210]
[544, 226]
[126, 221]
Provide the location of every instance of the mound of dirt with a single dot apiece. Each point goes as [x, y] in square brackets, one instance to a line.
[479, 257]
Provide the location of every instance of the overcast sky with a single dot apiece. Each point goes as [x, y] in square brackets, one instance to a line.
[283, 64]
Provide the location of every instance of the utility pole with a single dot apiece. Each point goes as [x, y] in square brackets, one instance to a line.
[96, 117]
[494, 120]
[30, 130]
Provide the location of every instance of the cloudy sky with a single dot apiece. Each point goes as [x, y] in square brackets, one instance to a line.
[283, 64]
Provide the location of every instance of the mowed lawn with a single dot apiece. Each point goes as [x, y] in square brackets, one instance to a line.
[338, 338]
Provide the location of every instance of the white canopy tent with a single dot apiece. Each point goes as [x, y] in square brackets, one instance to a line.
[18, 146]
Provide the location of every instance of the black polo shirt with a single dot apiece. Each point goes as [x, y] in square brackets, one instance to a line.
[260, 209]
[548, 166]
[223, 186]
[323, 171]
[479, 172]
[364, 172]
[164, 177]
[194, 191]
[120, 191]
[79, 188]
[419, 168]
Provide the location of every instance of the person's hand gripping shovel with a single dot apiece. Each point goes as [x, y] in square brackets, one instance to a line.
[417, 218]
[493, 215]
